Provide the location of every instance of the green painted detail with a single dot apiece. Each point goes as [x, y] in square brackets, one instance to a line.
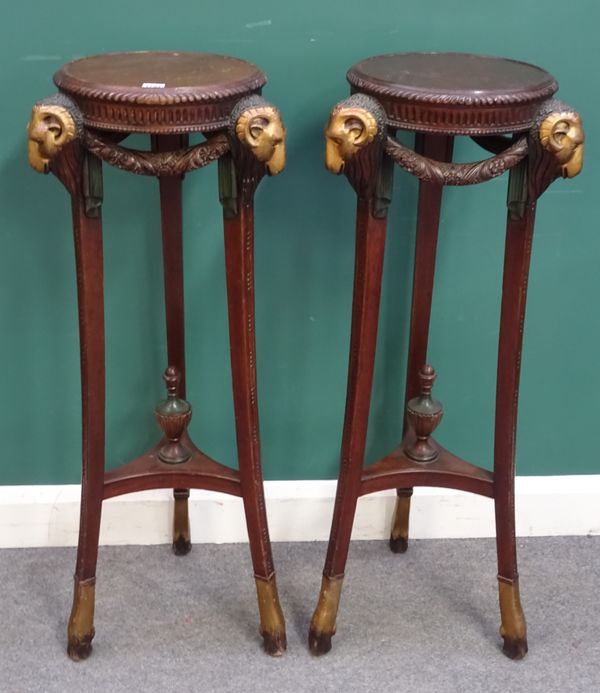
[228, 194]
[173, 406]
[383, 191]
[516, 199]
[304, 237]
[92, 185]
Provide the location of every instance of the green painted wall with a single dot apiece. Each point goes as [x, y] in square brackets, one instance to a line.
[304, 249]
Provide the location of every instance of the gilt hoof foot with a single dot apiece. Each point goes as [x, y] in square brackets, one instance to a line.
[319, 643]
[274, 644]
[323, 624]
[272, 623]
[513, 629]
[81, 622]
[81, 647]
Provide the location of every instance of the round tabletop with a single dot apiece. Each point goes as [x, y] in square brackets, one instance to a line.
[454, 93]
[157, 91]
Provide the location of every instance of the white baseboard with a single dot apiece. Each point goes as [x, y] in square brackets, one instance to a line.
[33, 516]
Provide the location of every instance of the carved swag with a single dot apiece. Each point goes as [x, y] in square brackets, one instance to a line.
[357, 133]
[57, 138]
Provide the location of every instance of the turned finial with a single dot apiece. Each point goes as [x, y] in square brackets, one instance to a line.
[172, 378]
[173, 416]
[427, 377]
[424, 415]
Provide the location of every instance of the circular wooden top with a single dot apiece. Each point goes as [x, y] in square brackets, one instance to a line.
[454, 93]
[158, 92]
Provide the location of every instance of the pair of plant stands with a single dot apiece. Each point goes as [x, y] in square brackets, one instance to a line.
[505, 106]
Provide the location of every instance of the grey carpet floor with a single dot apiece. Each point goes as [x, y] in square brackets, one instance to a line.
[424, 621]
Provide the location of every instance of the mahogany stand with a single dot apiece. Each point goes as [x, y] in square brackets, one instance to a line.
[438, 96]
[102, 100]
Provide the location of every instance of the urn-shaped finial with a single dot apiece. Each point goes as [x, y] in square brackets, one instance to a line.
[424, 415]
[173, 415]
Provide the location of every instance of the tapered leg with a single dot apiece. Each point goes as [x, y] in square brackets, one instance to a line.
[438, 147]
[370, 246]
[172, 243]
[239, 250]
[88, 250]
[519, 235]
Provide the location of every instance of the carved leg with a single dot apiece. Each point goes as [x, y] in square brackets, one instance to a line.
[555, 148]
[88, 250]
[519, 234]
[239, 242]
[172, 238]
[370, 245]
[437, 147]
[57, 121]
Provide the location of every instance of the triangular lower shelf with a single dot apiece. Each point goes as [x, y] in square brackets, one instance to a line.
[396, 470]
[149, 472]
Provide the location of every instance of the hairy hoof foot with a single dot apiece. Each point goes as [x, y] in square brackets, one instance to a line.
[319, 643]
[515, 649]
[513, 629]
[81, 622]
[272, 623]
[322, 626]
[181, 546]
[80, 648]
[275, 644]
[398, 545]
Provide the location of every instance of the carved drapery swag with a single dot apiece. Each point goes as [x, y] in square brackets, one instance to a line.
[56, 126]
[552, 148]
